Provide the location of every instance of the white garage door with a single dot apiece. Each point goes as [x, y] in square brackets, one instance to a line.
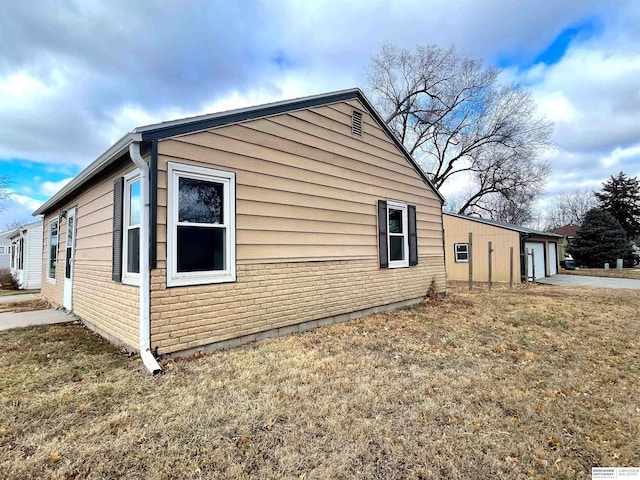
[538, 255]
[553, 258]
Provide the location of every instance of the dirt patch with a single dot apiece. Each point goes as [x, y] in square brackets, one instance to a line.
[480, 385]
[24, 306]
[4, 292]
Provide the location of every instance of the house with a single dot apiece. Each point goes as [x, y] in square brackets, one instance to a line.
[212, 231]
[26, 254]
[5, 251]
[568, 233]
[503, 236]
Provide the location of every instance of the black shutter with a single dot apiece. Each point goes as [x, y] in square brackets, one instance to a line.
[413, 236]
[382, 234]
[116, 266]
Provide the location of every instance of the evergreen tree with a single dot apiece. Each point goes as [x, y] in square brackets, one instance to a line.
[620, 196]
[599, 240]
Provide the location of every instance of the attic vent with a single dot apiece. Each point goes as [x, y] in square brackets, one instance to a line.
[356, 123]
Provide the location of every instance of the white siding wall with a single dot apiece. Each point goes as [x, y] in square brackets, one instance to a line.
[33, 257]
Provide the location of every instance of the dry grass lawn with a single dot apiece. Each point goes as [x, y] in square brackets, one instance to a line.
[540, 383]
[601, 272]
[25, 306]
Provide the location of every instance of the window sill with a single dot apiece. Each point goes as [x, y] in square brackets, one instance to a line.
[190, 280]
[399, 265]
[131, 280]
[51, 281]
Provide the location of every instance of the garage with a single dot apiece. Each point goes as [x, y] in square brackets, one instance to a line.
[468, 240]
[538, 257]
[553, 258]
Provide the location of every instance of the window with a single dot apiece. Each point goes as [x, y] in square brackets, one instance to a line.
[461, 252]
[398, 239]
[131, 227]
[53, 250]
[397, 234]
[3, 250]
[200, 226]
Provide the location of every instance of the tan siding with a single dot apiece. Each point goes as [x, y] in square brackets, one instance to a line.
[109, 306]
[456, 230]
[306, 168]
[285, 164]
[269, 296]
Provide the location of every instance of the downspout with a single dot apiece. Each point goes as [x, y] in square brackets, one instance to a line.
[147, 357]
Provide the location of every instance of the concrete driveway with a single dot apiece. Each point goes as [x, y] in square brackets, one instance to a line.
[585, 281]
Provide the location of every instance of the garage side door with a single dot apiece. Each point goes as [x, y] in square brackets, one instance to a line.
[538, 250]
[553, 258]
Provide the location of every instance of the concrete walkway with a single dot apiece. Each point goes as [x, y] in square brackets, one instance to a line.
[37, 317]
[585, 281]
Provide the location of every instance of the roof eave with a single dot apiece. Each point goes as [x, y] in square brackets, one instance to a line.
[513, 228]
[102, 162]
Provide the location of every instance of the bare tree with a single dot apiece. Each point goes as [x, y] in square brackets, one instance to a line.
[569, 208]
[461, 124]
[516, 209]
[13, 224]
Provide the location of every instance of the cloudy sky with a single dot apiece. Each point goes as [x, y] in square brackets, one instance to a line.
[76, 75]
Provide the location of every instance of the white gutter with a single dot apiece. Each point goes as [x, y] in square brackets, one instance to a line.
[145, 273]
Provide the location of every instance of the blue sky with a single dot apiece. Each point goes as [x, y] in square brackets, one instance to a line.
[76, 75]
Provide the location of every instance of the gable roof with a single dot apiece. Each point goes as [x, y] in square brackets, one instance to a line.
[183, 126]
[566, 231]
[505, 225]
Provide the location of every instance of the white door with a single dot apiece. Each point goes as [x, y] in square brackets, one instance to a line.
[553, 258]
[538, 256]
[67, 299]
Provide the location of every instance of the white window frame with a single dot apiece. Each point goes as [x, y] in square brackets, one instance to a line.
[228, 179]
[455, 253]
[392, 205]
[51, 279]
[129, 278]
[3, 250]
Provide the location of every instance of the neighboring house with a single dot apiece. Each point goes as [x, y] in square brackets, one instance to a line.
[26, 254]
[503, 236]
[5, 251]
[260, 221]
[568, 233]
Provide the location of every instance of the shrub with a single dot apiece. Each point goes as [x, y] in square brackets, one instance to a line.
[7, 281]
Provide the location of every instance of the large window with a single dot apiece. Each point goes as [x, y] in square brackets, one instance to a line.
[461, 252]
[398, 243]
[131, 233]
[200, 226]
[53, 250]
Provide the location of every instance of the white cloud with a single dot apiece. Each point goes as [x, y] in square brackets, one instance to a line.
[27, 202]
[49, 188]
